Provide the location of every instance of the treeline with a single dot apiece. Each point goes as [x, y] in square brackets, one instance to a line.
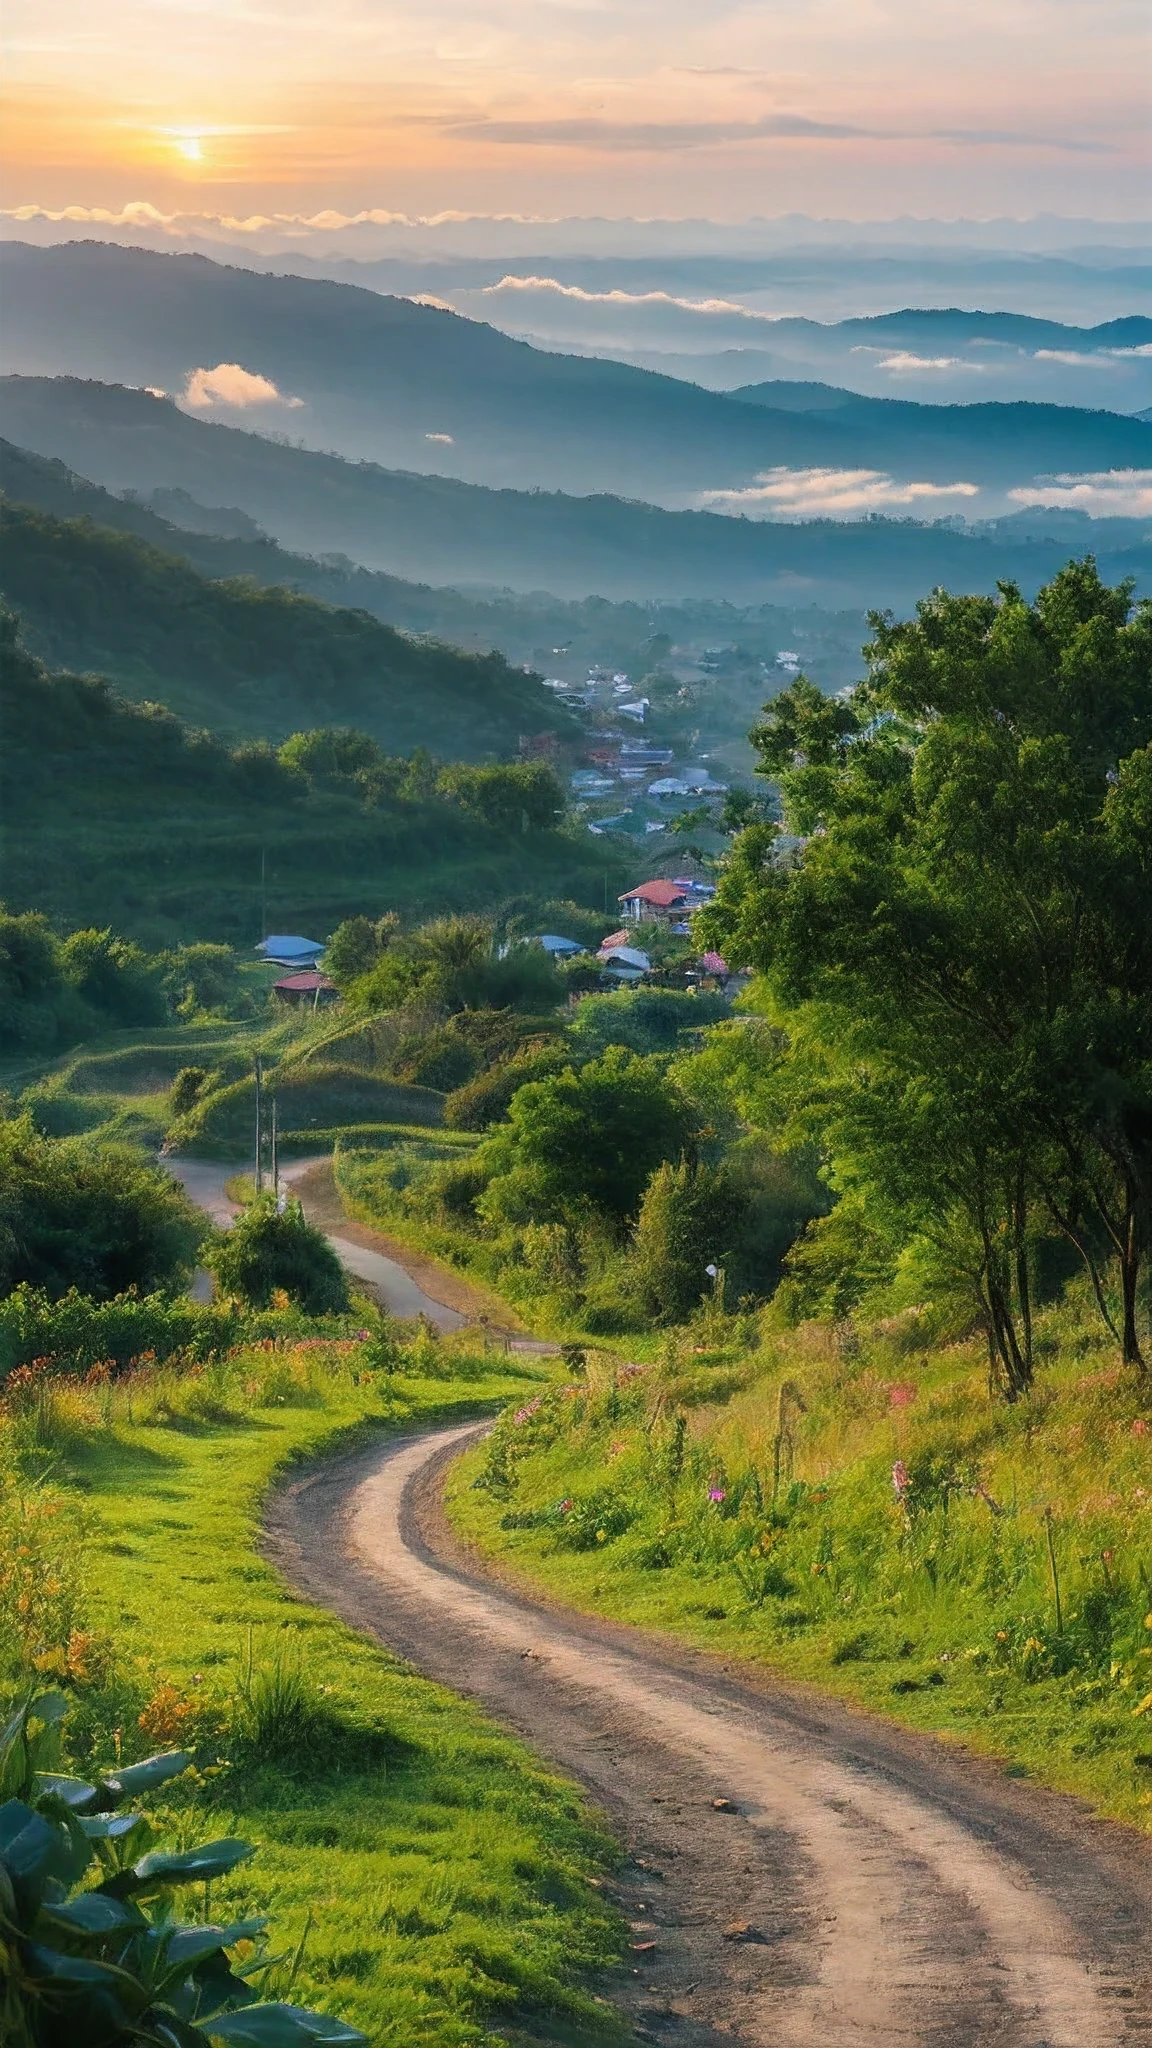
[957, 960]
[252, 660]
[115, 812]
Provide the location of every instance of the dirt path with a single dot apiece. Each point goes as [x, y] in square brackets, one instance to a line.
[864, 1888]
[407, 1283]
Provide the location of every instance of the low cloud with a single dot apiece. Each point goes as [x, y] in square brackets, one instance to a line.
[446, 439]
[230, 384]
[904, 363]
[552, 285]
[1076, 359]
[1115, 493]
[827, 493]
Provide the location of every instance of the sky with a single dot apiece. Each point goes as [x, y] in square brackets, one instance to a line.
[858, 109]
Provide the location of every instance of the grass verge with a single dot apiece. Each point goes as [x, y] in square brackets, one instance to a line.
[859, 1515]
[435, 1873]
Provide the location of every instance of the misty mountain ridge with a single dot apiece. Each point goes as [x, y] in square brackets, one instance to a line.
[417, 387]
[439, 531]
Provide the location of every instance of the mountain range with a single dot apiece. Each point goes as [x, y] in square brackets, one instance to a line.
[417, 386]
[437, 530]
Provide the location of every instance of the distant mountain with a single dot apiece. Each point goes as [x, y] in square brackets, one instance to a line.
[248, 661]
[931, 440]
[419, 387]
[435, 530]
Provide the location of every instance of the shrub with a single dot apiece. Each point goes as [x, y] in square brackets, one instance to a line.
[268, 1251]
[99, 1221]
[109, 1965]
[689, 1219]
[487, 1099]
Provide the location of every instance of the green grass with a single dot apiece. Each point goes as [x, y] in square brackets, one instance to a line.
[939, 1610]
[436, 1872]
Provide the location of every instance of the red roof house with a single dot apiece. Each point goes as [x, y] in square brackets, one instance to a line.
[655, 899]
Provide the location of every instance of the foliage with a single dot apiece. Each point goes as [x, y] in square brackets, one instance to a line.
[961, 953]
[690, 1218]
[453, 961]
[245, 660]
[585, 1140]
[486, 1100]
[107, 1963]
[100, 1221]
[524, 797]
[270, 1251]
[452, 1867]
[645, 1019]
[842, 1505]
[118, 812]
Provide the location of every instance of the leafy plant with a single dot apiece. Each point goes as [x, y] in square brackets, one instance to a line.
[107, 1964]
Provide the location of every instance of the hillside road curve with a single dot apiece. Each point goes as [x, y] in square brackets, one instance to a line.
[799, 1874]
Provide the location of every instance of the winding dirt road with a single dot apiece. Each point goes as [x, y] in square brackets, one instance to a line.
[799, 1874]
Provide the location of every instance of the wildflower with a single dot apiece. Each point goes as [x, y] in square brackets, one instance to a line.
[902, 1395]
[566, 1507]
[1139, 1427]
[717, 1493]
[899, 1478]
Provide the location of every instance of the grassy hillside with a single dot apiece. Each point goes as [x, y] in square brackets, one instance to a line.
[246, 660]
[112, 812]
[741, 1495]
[420, 387]
[436, 529]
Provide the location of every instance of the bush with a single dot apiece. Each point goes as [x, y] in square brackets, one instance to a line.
[98, 1221]
[690, 1218]
[644, 1019]
[487, 1099]
[268, 1251]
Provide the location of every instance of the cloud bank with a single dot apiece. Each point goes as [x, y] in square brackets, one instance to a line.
[1104, 493]
[827, 493]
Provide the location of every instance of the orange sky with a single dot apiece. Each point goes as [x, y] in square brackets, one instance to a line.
[650, 106]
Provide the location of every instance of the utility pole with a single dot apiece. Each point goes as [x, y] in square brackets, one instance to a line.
[259, 1125]
[275, 1157]
[263, 893]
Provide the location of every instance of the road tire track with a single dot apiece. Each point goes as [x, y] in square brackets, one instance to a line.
[862, 1886]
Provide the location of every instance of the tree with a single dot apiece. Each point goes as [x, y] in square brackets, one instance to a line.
[353, 950]
[522, 797]
[269, 1251]
[965, 930]
[115, 977]
[689, 1219]
[585, 1143]
[100, 1221]
[201, 977]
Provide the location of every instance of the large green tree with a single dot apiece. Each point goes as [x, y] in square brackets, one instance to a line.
[965, 928]
[99, 1220]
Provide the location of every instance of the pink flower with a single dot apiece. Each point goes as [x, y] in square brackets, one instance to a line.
[716, 1493]
[566, 1507]
[1139, 1427]
[522, 1414]
[902, 1395]
[899, 1478]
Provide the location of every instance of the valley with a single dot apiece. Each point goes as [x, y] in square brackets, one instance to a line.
[575, 1174]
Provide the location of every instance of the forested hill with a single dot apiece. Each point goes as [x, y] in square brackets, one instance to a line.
[417, 386]
[433, 529]
[114, 812]
[254, 661]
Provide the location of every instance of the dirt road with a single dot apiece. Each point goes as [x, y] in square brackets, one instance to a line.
[800, 1876]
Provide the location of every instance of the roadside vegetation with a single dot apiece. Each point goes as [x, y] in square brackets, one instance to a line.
[428, 1880]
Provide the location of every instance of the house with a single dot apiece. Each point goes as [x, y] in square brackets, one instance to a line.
[625, 963]
[287, 951]
[664, 900]
[311, 988]
[560, 949]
